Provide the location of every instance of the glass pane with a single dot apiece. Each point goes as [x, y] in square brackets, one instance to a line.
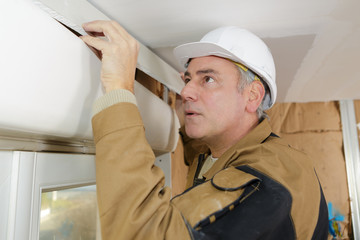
[69, 214]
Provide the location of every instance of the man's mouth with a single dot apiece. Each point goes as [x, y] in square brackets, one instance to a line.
[191, 113]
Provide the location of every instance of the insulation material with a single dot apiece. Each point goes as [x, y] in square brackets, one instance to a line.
[315, 128]
[303, 117]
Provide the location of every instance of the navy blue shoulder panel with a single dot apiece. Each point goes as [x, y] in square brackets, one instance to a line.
[263, 214]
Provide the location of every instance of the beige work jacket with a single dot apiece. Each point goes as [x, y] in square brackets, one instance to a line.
[134, 204]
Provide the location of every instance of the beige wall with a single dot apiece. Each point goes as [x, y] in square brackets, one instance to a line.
[315, 128]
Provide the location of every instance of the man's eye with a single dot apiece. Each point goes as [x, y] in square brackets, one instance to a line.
[186, 80]
[209, 80]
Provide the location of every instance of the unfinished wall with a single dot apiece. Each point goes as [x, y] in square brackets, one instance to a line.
[315, 128]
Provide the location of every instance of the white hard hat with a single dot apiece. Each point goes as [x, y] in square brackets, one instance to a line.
[238, 45]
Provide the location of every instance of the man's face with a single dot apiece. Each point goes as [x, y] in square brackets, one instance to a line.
[214, 107]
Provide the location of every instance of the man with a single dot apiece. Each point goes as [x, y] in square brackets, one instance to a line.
[249, 185]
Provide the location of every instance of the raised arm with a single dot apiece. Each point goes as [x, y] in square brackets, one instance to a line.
[132, 200]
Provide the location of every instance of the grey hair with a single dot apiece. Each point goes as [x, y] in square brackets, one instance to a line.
[244, 81]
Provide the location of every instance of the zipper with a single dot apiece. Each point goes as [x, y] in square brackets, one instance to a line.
[197, 180]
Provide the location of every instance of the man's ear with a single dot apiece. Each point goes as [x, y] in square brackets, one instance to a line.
[256, 95]
[180, 111]
[182, 75]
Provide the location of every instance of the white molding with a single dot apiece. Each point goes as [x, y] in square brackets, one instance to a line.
[20, 210]
[76, 12]
[6, 166]
[13, 195]
[45, 145]
[52, 96]
[352, 159]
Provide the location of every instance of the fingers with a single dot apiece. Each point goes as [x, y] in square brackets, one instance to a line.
[109, 29]
[118, 52]
[94, 42]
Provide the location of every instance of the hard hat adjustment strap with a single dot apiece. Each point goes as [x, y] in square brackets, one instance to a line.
[247, 70]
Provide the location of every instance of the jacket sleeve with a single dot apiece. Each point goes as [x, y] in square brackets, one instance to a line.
[132, 200]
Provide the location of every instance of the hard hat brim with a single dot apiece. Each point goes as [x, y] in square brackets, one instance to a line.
[201, 49]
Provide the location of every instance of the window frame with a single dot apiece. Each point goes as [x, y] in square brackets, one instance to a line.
[31, 174]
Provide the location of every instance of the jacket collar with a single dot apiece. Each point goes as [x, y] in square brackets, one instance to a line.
[258, 135]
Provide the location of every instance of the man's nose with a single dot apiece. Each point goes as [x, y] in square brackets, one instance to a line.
[189, 92]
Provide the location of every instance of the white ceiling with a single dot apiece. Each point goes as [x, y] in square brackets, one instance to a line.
[315, 43]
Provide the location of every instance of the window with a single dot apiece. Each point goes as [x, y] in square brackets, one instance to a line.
[68, 214]
[48, 195]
